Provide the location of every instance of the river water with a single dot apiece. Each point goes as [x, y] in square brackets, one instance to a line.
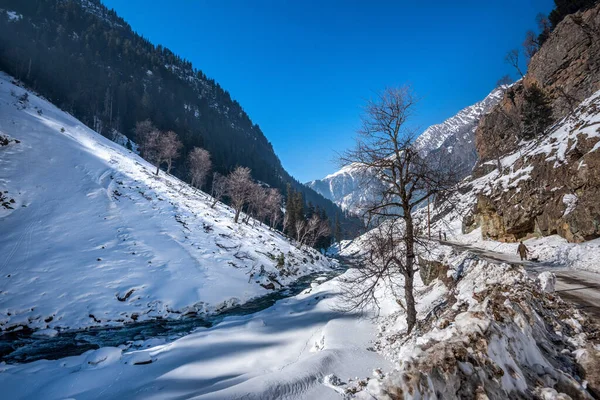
[19, 347]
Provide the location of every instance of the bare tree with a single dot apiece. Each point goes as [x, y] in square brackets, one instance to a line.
[257, 198]
[512, 58]
[148, 138]
[272, 206]
[530, 45]
[300, 227]
[286, 221]
[504, 83]
[219, 188]
[309, 231]
[377, 266]
[239, 189]
[157, 147]
[385, 147]
[169, 149]
[199, 166]
[316, 228]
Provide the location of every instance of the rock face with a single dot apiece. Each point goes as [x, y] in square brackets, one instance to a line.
[430, 270]
[551, 184]
[567, 68]
[547, 186]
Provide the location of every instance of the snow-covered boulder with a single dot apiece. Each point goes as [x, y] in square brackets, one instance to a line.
[547, 281]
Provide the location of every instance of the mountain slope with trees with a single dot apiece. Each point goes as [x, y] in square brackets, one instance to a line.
[91, 236]
[87, 60]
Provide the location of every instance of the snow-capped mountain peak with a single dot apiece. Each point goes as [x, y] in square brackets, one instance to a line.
[434, 137]
[455, 136]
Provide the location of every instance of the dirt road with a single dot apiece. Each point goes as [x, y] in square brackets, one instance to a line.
[578, 287]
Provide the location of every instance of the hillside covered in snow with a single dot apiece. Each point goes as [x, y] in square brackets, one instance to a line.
[90, 237]
[87, 60]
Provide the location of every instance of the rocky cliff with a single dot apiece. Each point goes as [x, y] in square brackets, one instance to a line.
[566, 67]
[550, 183]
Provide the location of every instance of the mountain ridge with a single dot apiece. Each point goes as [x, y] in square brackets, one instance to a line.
[90, 62]
[455, 137]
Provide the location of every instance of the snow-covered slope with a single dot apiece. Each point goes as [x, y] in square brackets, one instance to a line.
[89, 236]
[298, 349]
[455, 137]
[461, 125]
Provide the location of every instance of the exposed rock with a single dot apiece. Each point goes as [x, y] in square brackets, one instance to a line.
[431, 270]
[545, 192]
[567, 68]
[551, 184]
[268, 286]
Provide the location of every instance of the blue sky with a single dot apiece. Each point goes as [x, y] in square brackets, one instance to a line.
[303, 69]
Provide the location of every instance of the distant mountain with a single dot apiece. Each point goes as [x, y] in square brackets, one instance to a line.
[347, 187]
[455, 138]
[88, 61]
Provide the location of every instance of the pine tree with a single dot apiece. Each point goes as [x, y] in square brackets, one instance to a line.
[299, 206]
[338, 229]
[536, 113]
[566, 7]
[290, 215]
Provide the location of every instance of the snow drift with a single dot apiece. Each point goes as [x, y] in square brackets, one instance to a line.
[495, 334]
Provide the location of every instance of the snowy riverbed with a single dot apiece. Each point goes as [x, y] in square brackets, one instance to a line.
[299, 348]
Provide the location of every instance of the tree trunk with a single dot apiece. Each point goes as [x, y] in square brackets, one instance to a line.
[237, 215]
[169, 163]
[411, 311]
[157, 168]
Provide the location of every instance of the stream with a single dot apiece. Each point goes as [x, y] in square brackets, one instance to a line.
[19, 347]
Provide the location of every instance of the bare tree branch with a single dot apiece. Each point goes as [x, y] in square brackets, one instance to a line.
[385, 148]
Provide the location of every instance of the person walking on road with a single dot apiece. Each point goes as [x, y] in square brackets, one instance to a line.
[522, 251]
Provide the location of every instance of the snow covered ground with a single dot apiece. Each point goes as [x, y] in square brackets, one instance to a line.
[90, 237]
[298, 349]
[493, 334]
[302, 348]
